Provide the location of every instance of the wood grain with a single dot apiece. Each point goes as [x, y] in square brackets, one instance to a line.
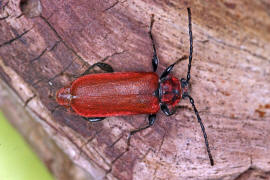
[230, 82]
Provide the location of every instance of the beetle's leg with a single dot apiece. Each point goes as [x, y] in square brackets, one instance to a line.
[95, 119]
[169, 69]
[151, 121]
[155, 58]
[166, 110]
[103, 66]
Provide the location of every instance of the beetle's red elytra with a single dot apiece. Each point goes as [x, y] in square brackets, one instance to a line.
[112, 94]
[96, 96]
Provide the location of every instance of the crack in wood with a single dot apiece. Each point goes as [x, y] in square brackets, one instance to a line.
[103, 60]
[14, 39]
[104, 160]
[147, 152]
[219, 41]
[37, 82]
[3, 18]
[162, 141]
[29, 99]
[83, 145]
[110, 7]
[251, 169]
[59, 74]
[61, 39]
[118, 157]
[42, 53]
[57, 107]
[114, 54]
[117, 140]
[39, 56]
[19, 16]
[112, 163]
[55, 45]
[89, 141]
[113, 5]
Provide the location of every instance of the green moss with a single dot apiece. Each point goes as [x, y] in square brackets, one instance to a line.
[17, 160]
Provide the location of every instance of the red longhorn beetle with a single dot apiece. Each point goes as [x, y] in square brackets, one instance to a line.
[96, 96]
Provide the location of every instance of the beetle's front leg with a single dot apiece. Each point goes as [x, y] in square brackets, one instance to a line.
[167, 71]
[166, 110]
[151, 121]
[155, 59]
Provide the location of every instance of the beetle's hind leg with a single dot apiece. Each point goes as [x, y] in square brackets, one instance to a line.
[155, 59]
[103, 66]
[151, 121]
[94, 119]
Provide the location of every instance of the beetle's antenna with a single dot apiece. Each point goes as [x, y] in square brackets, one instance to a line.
[184, 85]
[190, 44]
[202, 126]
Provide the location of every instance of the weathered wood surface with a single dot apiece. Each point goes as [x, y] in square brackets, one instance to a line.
[43, 46]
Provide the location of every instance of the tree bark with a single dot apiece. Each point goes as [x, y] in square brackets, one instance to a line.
[43, 44]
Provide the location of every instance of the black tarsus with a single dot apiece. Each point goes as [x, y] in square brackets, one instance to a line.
[202, 127]
[155, 59]
[167, 71]
[104, 66]
[95, 119]
[151, 121]
[166, 110]
[191, 44]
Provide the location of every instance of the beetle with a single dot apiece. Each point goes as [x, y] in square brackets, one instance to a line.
[96, 96]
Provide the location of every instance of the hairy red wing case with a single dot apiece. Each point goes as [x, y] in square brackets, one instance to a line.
[115, 94]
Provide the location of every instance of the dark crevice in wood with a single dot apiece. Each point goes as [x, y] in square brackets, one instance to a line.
[54, 46]
[219, 41]
[110, 7]
[39, 56]
[14, 39]
[3, 18]
[57, 34]
[29, 99]
[114, 161]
